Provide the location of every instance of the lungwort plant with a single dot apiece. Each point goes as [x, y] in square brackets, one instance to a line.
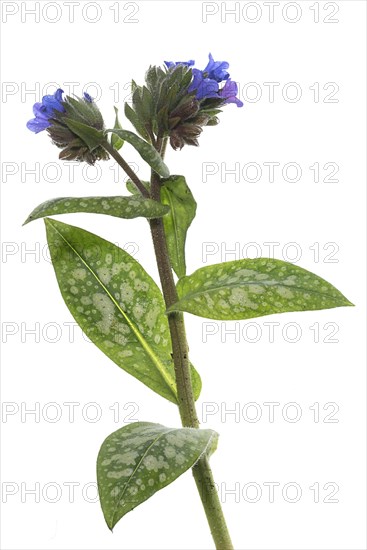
[129, 318]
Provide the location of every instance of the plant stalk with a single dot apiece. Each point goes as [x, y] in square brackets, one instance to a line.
[127, 169]
[186, 401]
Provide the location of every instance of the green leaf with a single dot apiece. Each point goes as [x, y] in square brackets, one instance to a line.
[176, 193]
[195, 382]
[136, 122]
[244, 289]
[91, 137]
[81, 110]
[116, 303]
[120, 207]
[145, 150]
[147, 104]
[131, 187]
[140, 459]
[210, 112]
[117, 142]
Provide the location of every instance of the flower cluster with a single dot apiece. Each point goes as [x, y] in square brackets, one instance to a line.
[176, 102]
[206, 82]
[62, 118]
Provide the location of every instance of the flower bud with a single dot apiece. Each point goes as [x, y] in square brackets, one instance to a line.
[75, 125]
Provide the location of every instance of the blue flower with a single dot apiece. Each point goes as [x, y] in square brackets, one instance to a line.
[229, 92]
[88, 98]
[205, 87]
[44, 111]
[170, 64]
[206, 82]
[217, 70]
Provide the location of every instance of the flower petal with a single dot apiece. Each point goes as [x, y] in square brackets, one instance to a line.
[229, 93]
[205, 87]
[38, 124]
[217, 69]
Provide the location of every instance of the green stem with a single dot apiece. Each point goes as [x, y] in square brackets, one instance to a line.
[176, 325]
[124, 165]
[186, 401]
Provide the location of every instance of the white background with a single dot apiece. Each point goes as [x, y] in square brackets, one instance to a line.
[47, 367]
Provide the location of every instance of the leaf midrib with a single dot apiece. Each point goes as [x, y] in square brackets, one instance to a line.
[168, 431]
[135, 330]
[89, 209]
[138, 466]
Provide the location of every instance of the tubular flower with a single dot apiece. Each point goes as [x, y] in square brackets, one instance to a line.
[229, 93]
[75, 125]
[199, 99]
[44, 112]
[205, 87]
[206, 82]
[217, 70]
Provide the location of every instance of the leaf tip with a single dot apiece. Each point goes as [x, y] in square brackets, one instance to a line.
[165, 173]
[344, 302]
[49, 222]
[110, 525]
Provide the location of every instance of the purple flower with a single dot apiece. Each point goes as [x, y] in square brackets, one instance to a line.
[229, 92]
[217, 70]
[170, 64]
[205, 87]
[87, 97]
[206, 82]
[45, 111]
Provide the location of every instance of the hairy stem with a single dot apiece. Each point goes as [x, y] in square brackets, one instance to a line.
[176, 326]
[186, 401]
[127, 169]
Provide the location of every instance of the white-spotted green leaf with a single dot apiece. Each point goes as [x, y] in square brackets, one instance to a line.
[131, 187]
[116, 141]
[145, 150]
[176, 193]
[120, 207]
[244, 289]
[116, 303]
[140, 459]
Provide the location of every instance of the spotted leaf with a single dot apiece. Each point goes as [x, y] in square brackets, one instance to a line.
[244, 289]
[145, 150]
[176, 194]
[117, 304]
[120, 207]
[140, 459]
